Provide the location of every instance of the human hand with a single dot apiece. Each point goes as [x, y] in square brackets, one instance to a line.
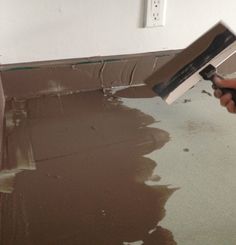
[225, 99]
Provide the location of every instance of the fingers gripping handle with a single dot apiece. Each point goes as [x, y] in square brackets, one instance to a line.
[209, 72]
[229, 91]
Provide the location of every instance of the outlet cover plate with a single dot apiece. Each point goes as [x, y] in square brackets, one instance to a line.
[156, 13]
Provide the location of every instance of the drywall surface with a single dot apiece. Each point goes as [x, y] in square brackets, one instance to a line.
[34, 30]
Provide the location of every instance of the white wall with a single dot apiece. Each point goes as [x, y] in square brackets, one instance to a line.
[33, 30]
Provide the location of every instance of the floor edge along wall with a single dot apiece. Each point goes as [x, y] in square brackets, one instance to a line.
[75, 75]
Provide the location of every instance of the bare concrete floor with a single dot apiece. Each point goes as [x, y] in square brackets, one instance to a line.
[93, 170]
[200, 160]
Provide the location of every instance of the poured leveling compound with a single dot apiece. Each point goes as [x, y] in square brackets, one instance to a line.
[76, 174]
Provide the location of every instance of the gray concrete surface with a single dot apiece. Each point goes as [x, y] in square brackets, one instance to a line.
[200, 161]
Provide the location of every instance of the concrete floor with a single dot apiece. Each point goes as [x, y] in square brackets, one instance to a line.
[200, 160]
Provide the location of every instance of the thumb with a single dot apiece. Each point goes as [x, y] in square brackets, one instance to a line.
[225, 83]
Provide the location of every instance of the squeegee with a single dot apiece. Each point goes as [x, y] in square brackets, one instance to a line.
[197, 62]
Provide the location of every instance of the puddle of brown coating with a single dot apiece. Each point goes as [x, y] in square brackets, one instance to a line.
[89, 186]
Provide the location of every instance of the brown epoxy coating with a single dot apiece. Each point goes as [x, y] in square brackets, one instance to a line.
[65, 76]
[89, 185]
[2, 108]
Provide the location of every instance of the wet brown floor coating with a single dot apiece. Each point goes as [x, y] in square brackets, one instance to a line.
[89, 186]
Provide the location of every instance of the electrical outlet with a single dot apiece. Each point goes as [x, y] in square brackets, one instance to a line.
[156, 13]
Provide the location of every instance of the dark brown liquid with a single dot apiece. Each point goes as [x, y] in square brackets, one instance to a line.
[88, 188]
